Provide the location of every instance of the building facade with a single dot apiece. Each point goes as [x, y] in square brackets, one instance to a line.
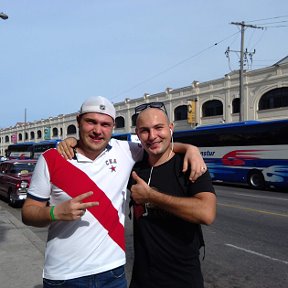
[265, 97]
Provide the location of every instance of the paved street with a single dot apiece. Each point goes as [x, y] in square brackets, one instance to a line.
[245, 247]
[21, 254]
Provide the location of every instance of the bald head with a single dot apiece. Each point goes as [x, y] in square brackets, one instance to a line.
[149, 113]
[154, 131]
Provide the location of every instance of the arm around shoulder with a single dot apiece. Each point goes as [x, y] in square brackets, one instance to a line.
[65, 147]
[193, 158]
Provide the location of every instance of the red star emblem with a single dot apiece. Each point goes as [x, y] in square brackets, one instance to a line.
[113, 168]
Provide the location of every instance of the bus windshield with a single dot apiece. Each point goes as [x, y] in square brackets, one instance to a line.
[20, 151]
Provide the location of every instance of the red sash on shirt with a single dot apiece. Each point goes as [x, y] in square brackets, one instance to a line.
[75, 182]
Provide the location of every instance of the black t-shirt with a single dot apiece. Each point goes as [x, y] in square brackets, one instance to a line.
[166, 247]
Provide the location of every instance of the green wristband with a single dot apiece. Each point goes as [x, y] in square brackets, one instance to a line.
[52, 213]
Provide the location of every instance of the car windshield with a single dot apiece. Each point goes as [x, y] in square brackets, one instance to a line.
[23, 168]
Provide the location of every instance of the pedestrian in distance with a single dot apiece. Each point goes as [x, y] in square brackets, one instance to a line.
[82, 200]
[168, 209]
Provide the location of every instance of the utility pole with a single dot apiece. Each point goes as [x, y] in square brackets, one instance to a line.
[25, 122]
[241, 71]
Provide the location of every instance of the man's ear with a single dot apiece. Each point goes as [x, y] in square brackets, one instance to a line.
[78, 118]
[171, 126]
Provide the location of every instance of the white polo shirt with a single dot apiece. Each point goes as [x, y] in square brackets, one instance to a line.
[84, 247]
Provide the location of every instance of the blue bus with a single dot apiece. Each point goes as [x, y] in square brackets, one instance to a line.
[19, 151]
[254, 153]
[40, 147]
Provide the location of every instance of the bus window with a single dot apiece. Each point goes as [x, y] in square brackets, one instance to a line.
[40, 147]
[127, 137]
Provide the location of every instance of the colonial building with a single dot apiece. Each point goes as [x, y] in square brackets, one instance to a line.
[265, 97]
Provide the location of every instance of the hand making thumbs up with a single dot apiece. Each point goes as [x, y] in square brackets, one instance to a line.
[140, 191]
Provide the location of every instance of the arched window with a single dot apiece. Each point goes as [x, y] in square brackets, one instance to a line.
[71, 129]
[61, 132]
[6, 139]
[20, 137]
[26, 136]
[133, 118]
[32, 135]
[54, 132]
[39, 134]
[236, 105]
[119, 122]
[212, 108]
[275, 98]
[180, 112]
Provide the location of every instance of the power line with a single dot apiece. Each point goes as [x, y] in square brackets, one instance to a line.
[273, 23]
[245, 53]
[269, 24]
[276, 26]
[173, 66]
[264, 19]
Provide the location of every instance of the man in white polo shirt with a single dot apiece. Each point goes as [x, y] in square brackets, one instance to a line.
[85, 245]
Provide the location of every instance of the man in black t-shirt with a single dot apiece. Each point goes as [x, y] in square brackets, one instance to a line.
[167, 208]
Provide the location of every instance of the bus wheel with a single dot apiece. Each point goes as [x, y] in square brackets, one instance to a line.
[256, 179]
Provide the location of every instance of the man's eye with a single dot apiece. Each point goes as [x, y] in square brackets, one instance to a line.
[159, 128]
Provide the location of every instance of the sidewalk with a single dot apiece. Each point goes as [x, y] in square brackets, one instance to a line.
[21, 254]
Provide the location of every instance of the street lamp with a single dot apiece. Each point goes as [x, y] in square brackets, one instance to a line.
[3, 16]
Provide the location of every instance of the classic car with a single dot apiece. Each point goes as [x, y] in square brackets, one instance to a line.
[15, 176]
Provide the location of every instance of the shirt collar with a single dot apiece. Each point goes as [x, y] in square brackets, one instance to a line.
[81, 158]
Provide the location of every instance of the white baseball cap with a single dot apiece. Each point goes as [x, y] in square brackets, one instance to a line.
[98, 104]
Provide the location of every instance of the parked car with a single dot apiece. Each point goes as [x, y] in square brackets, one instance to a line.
[2, 158]
[15, 176]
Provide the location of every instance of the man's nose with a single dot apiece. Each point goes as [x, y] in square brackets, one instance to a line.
[152, 134]
[97, 129]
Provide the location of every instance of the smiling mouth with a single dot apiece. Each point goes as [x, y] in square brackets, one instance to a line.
[153, 145]
[95, 138]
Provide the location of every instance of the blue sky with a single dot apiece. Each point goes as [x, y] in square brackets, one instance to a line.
[55, 54]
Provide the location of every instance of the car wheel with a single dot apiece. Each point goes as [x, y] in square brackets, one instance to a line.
[256, 179]
[11, 200]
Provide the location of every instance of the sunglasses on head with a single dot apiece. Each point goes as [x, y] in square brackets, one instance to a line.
[158, 105]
